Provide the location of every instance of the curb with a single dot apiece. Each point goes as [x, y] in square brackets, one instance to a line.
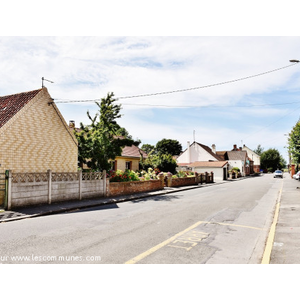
[112, 201]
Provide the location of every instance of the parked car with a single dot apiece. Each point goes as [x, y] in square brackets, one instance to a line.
[296, 176]
[278, 173]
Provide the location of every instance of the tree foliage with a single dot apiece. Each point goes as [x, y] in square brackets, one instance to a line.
[259, 150]
[100, 141]
[149, 149]
[161, 156]
[272, 160]
[168, 146]
[294, 143]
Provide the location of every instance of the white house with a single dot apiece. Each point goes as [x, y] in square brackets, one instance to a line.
[238, 159]
[254, 157]
[201, 158]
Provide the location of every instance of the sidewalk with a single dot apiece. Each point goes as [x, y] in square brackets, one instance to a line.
[60, 207]
[286, 244]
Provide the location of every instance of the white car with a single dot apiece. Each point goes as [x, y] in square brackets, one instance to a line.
[296, 176]
[278, 173]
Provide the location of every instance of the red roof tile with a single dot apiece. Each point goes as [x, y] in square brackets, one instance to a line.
[10, 105]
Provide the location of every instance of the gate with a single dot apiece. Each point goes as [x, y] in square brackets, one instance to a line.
[3, 189]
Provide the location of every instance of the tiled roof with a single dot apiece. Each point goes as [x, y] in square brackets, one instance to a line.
[133, 151]
[222, 154]
[207, 149]
[10, 105]
[211, 164]
[237, 155]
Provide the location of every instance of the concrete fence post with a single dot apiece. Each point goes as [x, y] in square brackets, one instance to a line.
[104, 182]
[49, 173]
[107, 192]
[9, 188]
[80, 184]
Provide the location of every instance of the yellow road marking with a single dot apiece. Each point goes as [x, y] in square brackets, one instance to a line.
[267, 253]
[173, 238]
[235, 225]
[150, 251]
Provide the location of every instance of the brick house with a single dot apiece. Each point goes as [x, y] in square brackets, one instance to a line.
[34, 136]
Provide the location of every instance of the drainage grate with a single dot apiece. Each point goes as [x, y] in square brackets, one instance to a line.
[10, 214]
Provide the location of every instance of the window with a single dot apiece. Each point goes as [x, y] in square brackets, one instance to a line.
[128, 165]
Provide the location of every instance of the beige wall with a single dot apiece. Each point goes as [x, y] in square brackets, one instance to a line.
[37, 139]
[121, 163]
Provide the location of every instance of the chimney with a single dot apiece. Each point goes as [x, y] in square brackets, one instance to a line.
[234, 148]
[188, 153]
[240, 149]
[213, 148]
[72, 124]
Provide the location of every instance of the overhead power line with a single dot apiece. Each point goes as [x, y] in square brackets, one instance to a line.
[181, 90]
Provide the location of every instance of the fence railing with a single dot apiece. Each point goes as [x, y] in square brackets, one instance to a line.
[61, 176]
[45, 187]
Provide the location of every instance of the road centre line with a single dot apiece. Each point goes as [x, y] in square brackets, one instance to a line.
[270, 241]
[176, 236]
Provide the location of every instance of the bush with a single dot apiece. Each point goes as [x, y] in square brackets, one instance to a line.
[120, 176]
[166, 163]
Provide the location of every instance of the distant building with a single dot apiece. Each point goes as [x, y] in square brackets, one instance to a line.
[201, 158]
[254, 157]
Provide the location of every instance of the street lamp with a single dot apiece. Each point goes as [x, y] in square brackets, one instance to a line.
[294, 61]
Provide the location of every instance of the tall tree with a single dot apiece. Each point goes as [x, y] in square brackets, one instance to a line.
[294, 143]
[168, 146]
[259, 150]
[148, 148]
[100, 142]
[272, 160]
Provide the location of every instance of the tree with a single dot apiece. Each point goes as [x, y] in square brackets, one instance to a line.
[294, 143]
[148, 148]
[168, 146]
[259, 150]
[272, 160]
[100, 142]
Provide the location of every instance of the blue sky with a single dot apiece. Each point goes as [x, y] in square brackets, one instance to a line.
[258, 110]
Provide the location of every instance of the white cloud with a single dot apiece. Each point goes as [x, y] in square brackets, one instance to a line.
[89, 67]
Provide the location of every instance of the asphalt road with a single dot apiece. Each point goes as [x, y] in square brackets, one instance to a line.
[220, 224]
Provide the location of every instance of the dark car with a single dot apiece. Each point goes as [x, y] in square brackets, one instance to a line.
[278, 173]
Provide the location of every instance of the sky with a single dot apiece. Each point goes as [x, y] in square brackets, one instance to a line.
[253, 111]
[89, 48]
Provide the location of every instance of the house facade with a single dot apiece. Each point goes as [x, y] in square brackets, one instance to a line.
[201, 158]
[238, 158]
[34, 136]
[254, 157]
[130, 159]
